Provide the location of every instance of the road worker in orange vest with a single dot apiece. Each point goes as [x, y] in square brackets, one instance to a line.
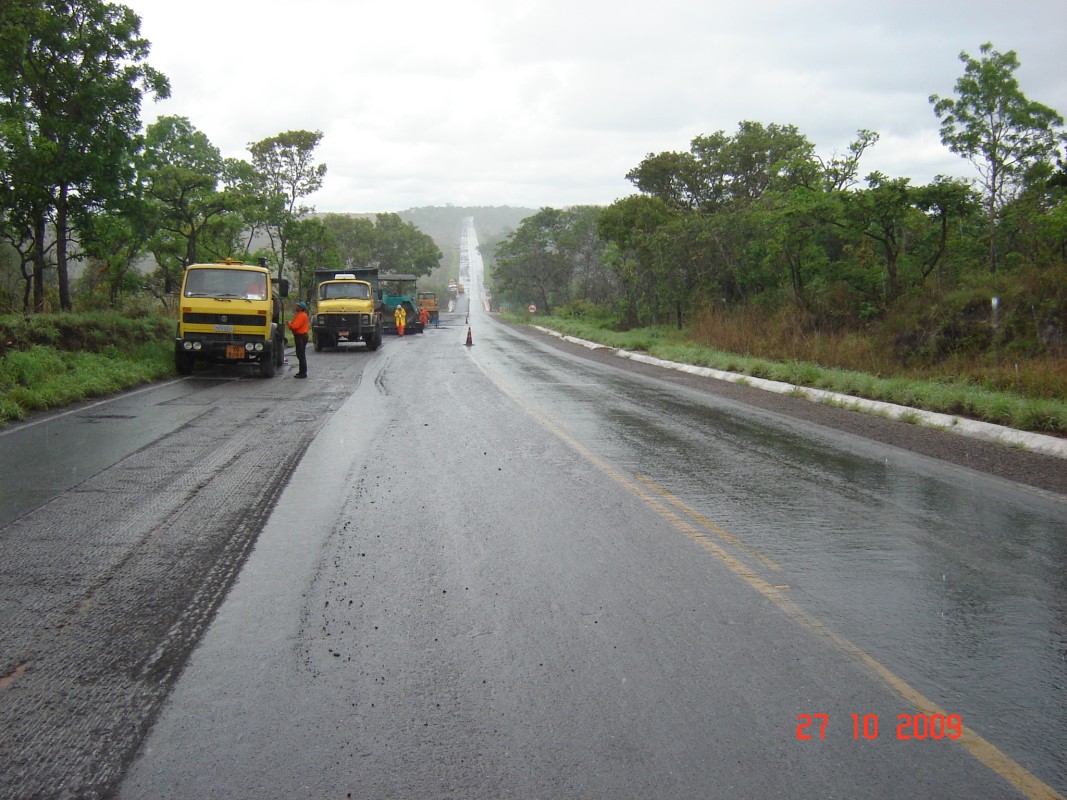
[300, 325]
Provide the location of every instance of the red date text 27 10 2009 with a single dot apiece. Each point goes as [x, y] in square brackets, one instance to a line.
[910, 727]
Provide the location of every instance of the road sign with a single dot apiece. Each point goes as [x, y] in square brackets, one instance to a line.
[531, 308]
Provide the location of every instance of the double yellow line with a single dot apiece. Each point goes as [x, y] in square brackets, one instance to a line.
[705, 533]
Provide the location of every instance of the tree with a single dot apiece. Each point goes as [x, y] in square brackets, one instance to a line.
[115, 239]
[354, 238]
[630, 226]
[181, 171]
[312, 246]
[723, 171]
[993, 125]
[72, 77]
[285, 166]
[946, 200]
[532, 263]
[881, 213]
[400, 247]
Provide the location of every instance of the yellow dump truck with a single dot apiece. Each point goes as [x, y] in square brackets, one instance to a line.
[230, 312]
[346, 311]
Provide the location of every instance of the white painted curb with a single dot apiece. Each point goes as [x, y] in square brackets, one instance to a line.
[1037, 442]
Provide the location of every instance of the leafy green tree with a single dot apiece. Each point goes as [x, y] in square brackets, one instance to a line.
[881, 213]
[721, 171]
[181, 171]
[945, 201]
[312, 246]
[675, 178]
[629, 227]
[114, 239]
[993, 125]
[533, 264]
[400, 247]
[354, 238]
[72, 76]
[593, 280]
[287, 172]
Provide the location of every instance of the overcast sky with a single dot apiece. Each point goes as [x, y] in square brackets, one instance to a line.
[551, 102]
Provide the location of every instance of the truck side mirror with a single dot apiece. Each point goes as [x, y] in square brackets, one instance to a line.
[283, 286]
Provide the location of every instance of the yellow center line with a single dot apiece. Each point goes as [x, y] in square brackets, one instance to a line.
[726, 536]
[985, 751]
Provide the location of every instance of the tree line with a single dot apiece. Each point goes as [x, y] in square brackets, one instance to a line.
[82, 181]
[757, 216]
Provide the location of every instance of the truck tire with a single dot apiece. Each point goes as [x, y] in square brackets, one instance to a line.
[267, 365]
[183, 363]
[318, 343]
[374, 338]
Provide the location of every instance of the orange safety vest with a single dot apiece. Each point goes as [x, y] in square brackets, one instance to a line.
[300, 323]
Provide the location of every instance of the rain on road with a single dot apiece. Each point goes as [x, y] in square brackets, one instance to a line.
[507, 571]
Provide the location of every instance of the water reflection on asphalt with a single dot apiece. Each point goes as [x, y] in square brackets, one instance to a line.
[955, 581]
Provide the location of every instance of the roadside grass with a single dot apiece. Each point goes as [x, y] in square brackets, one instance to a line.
[50, 361]
[965, 397]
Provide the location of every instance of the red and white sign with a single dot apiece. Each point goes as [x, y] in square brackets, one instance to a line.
[531, 308]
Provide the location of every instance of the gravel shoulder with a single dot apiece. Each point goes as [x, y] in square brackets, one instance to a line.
[1044, 472]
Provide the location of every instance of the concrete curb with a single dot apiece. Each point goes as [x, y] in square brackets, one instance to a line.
[1036, 442]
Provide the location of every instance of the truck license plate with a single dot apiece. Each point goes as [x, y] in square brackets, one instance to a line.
[224, 329]
[234, 351]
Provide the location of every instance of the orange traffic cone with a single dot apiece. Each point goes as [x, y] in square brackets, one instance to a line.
[470, 341]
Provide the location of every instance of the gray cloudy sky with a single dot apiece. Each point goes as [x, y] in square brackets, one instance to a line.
[551, 102]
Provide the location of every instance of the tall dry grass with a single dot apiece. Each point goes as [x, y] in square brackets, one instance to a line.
[784, 336]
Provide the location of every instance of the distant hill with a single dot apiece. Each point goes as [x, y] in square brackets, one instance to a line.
[442, 223]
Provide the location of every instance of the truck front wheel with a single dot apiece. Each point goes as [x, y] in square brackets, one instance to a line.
[374, 338]
[183, 363]
[267, 365]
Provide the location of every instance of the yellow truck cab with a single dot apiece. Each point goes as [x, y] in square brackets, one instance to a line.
[229, 312]
[346, 312]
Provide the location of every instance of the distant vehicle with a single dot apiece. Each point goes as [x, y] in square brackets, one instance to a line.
[453, 287]
[230, 312]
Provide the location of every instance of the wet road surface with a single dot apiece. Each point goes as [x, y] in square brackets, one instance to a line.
[503, 571]
[506, 571]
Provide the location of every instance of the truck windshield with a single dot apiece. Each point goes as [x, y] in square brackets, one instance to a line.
[226, 283]
[345, 291]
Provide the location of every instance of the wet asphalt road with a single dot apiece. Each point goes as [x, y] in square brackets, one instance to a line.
[506, 571]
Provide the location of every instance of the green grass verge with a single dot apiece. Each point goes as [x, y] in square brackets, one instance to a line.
[43, 377]
[53, 360]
